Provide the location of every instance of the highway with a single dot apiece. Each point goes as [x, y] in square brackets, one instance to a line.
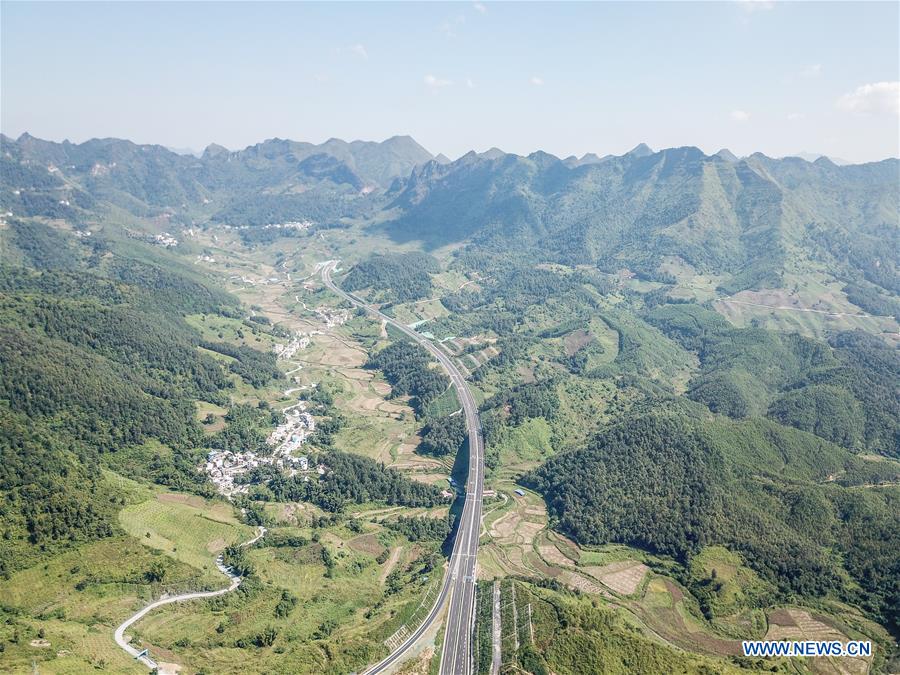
[459, 582]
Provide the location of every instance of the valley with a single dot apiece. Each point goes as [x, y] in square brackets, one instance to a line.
[685, 444]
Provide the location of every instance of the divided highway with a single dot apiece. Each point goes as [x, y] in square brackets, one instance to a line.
[459, 583]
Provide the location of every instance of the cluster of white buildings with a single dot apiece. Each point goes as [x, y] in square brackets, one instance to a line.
[292, 433]
[98, 169]
[288, 225]
[332, 317]
[252, 282]
[224, 467]
[165, 239]
[298, 341]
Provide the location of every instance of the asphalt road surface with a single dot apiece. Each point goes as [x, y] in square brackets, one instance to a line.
[235, 578]
[459, 583]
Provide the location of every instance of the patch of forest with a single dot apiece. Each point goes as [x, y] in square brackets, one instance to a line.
[408, 368]
[353, 479]
[673, 484]
[844, 390]
[406, 276]
[97, 363]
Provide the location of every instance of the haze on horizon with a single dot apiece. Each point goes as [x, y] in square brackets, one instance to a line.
[778, 78]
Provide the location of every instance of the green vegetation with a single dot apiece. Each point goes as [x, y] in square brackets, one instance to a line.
[407, 367]
[844, 392]
[673, 485]
[74, 599]
[421, 529]
[255, 367]
[731, 456]
[353, 479]
[98, 366]
[872, 300]
[639, 211]
[186, 529]
[50, 498]
[443, 436]
[563, 632]
[405, 276]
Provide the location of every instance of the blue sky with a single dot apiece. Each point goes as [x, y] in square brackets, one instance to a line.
[775, 77]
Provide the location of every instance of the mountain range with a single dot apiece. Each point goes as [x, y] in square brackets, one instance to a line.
[748, 221]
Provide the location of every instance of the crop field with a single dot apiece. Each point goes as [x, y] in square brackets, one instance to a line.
[625, 577]
[77, 599]
[378, 427]
[515, 542]
[593, 637]
[511, 527]
[800, 624]
[419, 311]
[809, 305]
[338, 617]
[187, 528]
[205, 408]
[663, 609]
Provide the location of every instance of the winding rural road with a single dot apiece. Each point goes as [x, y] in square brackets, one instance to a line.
[459, 581]
[141, 655]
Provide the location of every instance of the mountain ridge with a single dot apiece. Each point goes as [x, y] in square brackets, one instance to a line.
[748, 221]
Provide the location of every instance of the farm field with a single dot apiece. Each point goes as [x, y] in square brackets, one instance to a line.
[71, 605]
[187, 528]
[329, 604]
[517, 543]
[809, 305]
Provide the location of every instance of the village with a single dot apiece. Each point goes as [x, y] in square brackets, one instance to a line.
[225, 467]
[298, 341]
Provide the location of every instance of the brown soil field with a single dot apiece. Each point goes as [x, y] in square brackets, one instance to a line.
[174, 498]
[800, 624]
[551, 554]
[505, 525]
[668, 620]
[527, 531]
[366, 543]
[582, 583]
[577, 340]
[623, 577]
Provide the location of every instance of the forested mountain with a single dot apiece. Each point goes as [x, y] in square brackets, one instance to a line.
[674, 484]
[96, 360]
[646, 414]
[293, 180]
[748, 219]
[844, 392]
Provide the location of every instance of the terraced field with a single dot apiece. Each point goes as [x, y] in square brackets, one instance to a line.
[341, 612]
[187, 528]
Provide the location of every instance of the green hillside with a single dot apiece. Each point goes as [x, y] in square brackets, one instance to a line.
[693, 359]
[95, 358]
[674, 485]
[750, 221]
